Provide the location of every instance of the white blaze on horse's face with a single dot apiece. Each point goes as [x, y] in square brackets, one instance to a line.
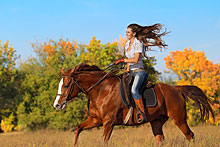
[56, 104]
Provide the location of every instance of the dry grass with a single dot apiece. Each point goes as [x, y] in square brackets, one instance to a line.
[128, 137]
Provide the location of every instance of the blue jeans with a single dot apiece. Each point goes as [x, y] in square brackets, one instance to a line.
[139, 78]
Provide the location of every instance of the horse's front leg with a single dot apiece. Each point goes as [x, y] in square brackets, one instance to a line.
[108, 126]
[91, 122]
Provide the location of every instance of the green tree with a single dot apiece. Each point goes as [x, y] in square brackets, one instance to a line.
[150, 70]
[42, 75]
[10, 79]
[96, 53]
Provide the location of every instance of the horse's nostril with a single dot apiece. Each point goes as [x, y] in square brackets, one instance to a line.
[57, 105]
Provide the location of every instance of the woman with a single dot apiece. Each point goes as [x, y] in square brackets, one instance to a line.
[137, 41]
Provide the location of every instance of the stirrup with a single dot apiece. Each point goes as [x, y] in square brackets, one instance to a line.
[140, 113]
[139, 120]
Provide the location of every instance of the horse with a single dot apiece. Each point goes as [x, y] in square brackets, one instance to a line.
[107, 109]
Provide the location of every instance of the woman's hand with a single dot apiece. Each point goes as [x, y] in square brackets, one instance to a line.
[119, 61]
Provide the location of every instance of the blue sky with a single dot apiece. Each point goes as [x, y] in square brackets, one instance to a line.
[194, 23]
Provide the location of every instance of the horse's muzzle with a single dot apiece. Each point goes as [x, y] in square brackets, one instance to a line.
[59, 107]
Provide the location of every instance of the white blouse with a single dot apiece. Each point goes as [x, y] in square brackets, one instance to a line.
[136, 47]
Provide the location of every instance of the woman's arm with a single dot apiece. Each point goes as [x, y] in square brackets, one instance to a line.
[128, 68]
[133, 60]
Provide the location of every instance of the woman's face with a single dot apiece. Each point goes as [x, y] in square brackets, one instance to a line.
[129, 33]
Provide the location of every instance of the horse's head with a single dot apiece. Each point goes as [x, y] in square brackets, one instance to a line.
[68, 88]
[70, 84]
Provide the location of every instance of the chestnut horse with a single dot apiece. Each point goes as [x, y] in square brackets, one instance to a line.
[107, 109]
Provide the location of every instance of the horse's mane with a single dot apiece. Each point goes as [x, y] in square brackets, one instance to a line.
[86, 67]
[91, 68]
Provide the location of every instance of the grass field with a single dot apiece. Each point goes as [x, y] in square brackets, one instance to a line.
[205, 136]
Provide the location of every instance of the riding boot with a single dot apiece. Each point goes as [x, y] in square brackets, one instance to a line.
[140, 105]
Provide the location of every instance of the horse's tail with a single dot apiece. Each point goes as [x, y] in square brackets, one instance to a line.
[198, 96]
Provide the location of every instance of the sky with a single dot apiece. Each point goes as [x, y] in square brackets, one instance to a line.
[193, 23]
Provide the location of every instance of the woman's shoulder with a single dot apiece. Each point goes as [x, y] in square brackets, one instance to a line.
[137, 41]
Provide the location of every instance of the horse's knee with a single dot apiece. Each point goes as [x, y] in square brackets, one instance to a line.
[159, 139]
[77, 130]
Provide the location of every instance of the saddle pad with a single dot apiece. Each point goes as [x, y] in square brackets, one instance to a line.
[122, 93]
[149, 97]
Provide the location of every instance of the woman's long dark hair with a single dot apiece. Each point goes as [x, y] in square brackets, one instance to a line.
[149, 35]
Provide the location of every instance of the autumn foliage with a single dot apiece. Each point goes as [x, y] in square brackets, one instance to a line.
[193, 68]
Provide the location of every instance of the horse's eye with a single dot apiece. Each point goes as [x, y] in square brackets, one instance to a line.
[66, 86]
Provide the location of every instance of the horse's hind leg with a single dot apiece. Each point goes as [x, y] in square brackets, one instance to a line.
[180, 121]
[91, 122]
[183, 126]
[176, 109]
[157, 128]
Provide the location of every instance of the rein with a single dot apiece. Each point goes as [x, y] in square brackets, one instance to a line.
[88, 89]
[73, 82]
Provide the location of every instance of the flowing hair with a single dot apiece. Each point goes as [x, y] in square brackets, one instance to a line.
[149, 35]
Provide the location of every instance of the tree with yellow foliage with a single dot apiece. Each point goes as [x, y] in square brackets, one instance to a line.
[121, 45]
[193, 68]
[96, 53]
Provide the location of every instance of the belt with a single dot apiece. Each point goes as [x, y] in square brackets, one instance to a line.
[137, 70]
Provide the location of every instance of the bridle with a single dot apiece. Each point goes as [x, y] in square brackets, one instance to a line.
[74, 82]
[71, 83]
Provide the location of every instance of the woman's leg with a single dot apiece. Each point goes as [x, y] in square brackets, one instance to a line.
[138, 81]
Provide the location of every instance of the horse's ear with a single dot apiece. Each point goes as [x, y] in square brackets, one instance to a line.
[72, 71]
[62, 71]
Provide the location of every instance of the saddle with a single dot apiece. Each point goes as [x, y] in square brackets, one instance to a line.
[148, 95]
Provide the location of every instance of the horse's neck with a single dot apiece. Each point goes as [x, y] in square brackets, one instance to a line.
[90, 79]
